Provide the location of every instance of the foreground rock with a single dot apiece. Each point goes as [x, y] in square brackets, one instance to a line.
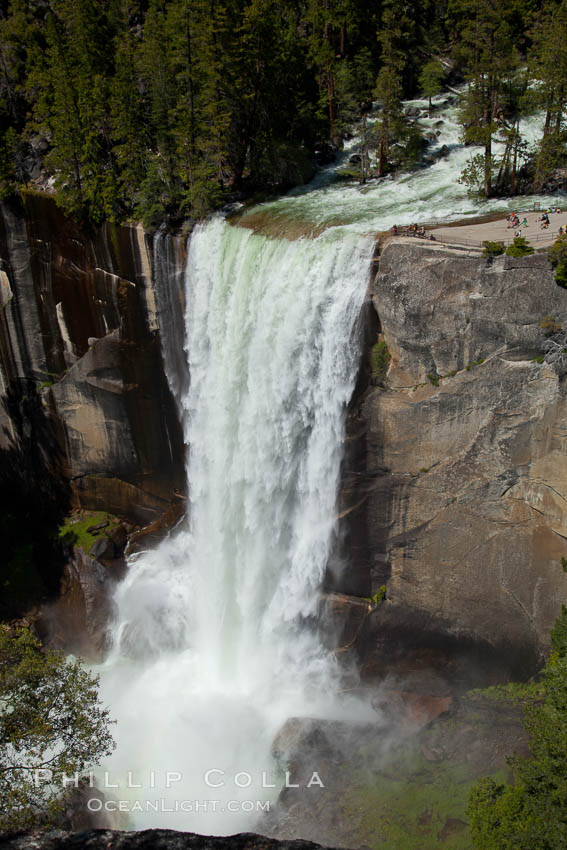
[402, 781]
[151, 839]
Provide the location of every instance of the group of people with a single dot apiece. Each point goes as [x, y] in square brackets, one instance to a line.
[514, 221]
[409, 230]
[544, 218]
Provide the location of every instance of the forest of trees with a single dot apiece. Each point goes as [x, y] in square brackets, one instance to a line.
[531, 813]
[158, 110]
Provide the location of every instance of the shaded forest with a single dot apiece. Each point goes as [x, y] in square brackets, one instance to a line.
[165, 110]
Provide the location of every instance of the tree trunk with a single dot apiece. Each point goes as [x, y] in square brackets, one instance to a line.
[383, 155]
[331, 99]
[247, 136]
[363, 151]
[515, 160]
[488, 168]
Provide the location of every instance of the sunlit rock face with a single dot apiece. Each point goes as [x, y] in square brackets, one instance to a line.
[80, 328]
[459, 496]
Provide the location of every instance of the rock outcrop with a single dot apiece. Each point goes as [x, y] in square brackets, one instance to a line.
[389, 782]
[455, 485]
[150, 839]
[77, 621]
[80, 326]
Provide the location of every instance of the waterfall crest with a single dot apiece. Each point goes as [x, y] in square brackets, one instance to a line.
[213, 647]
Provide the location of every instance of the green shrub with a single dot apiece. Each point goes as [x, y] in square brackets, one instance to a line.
[492, 249]
[519, 248]
[558, 258]
[433, 379]
[561, 274]
[80, 529]
[531, 813]
[550, 325]
[380, 595]
[558, 251]
[379, 361]
[478, 362]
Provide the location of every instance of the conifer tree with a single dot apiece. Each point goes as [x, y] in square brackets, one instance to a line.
[129, 130]
[389, 87]
[431, 79]
[548, 60]
[486, 50]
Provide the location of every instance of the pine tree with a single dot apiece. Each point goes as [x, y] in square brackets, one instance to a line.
[327, 21]
[548, 61]
[71, 106]
[160, 189]
[129, 130]
[213, 53]
[431, 79]
[486, 50]
[389, 87]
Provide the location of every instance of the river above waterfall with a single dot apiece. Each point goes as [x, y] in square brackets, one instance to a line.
[430, 193]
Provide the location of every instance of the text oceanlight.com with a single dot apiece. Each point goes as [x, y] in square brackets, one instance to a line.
[162, 805]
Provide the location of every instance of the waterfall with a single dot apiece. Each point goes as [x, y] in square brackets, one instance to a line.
[214, 644]
[168, 286]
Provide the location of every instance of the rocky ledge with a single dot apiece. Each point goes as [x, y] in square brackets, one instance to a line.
[150, 839]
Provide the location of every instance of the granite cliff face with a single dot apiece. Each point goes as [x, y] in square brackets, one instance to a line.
[455, 475]
[80, 333]
[455, 479]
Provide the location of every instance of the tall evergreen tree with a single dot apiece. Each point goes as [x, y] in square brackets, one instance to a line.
[389, 87]
[548, 65]
[160, 191]
[129, 121]
[71, 106]
[486, 50]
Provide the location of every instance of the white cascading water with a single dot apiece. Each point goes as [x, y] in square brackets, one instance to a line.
[213, 648]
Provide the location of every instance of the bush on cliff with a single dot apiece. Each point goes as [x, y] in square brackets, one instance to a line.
[492, 249]
[531, 814]
[379, 361]
[519, 248]
[558, 258]
[51, 720]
